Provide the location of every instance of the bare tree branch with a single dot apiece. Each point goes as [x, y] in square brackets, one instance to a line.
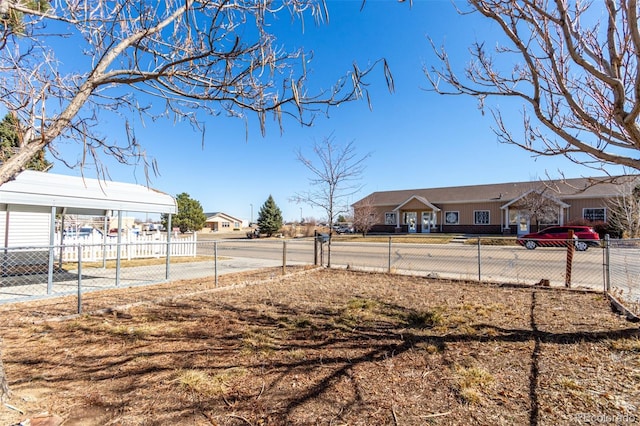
[577, 75]
[196, 58]
[624, 210]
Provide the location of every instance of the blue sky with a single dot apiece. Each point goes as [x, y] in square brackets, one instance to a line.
[416, 138]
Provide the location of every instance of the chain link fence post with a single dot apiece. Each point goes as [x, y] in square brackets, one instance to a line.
[215, 262]
[284, 257]
[317, 247]
[607, 265]
[389, 257]
[479, 261]
[570, 249]
[79, 278]
[167, 273]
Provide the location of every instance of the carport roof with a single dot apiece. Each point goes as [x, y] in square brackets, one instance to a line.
[39, 191]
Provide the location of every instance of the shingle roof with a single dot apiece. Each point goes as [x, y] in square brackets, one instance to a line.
[589, 187]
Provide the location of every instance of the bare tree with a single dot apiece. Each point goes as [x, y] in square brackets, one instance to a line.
[364, 215]
[180, 60]
[541, 207]
[624, 210]
[574, 65]
[335, 176]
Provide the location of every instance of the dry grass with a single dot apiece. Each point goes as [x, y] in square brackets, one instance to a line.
[127, 263]
[324, 347]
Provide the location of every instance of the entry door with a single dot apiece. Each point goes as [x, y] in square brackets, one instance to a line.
[524, 224]
[411, 219]
[428, 220]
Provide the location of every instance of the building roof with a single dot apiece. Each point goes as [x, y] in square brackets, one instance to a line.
[39, 191]
[212, 217]
[591, 187]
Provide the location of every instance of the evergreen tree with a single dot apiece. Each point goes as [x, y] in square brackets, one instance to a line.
[270, 217]
[190, 216]
[10, 137]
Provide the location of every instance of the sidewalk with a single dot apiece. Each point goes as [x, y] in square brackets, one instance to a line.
[27, 287]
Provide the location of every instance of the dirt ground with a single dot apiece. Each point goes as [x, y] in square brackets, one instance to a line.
[322, 347]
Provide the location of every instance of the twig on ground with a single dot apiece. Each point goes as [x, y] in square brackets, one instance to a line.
[224, 398]
[395, 417]
[240, 418]
[12, 407]
[430, 416]
[261, 391]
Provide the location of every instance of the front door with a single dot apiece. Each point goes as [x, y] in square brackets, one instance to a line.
[524, 224]
[428, 220]
[411, 219]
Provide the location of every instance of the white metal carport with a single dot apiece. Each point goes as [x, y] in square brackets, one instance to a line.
[48, 193]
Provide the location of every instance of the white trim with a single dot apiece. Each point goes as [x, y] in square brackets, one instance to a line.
[542, 194]
[81, 195]
[419, 198]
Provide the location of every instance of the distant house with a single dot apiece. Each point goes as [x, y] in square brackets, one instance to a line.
[219, 221]
[503, 208]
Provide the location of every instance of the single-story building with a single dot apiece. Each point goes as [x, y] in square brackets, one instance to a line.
[219, 221]
[505, 208]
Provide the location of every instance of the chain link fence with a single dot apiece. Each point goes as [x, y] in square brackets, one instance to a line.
[612, 265]
[37, 272]
[477, 259]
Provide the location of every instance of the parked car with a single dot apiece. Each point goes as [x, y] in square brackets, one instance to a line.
[82, 232]
[344, 229]
[556, 236]
[254, 233]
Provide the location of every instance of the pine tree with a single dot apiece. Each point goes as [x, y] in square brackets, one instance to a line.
[270, 217]
[10, 138]
[190, 216]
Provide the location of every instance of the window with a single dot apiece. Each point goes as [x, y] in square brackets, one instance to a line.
[390, 218]
[594, 215]
[481, 217]
[226, 224]
[452, 218]
[514, 215]
[236, 225]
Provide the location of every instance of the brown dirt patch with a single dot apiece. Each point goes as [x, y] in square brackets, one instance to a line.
[323, 347]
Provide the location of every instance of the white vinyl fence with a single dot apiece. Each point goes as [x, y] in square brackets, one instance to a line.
[96, 248]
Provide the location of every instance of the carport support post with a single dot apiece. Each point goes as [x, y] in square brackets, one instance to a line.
[105, 235]
[168, 257]
[62, 216]
[52, 230]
